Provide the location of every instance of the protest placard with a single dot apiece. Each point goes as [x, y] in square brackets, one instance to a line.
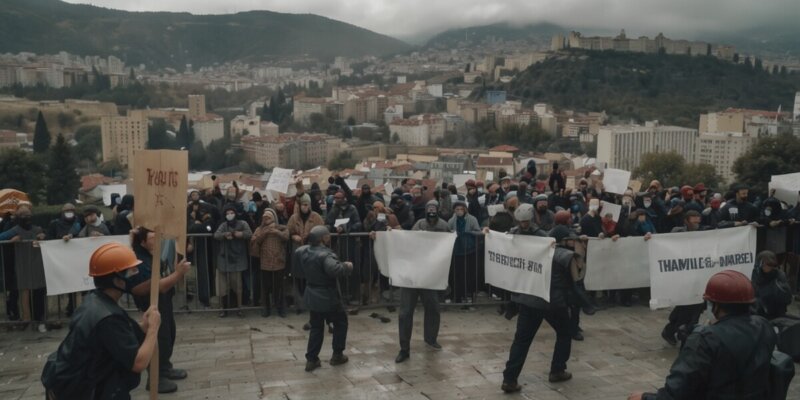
[616, 180]
[786, 187]
[614, 209]
[519, 263]
[427, 269]
[280, 180]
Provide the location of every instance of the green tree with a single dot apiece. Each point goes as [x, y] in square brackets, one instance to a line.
[265, 112]
[41, 136]
[771, 155]
[62, 180]
[22, 171]
[111, 168]
[65, 120]
[157, 136]
[184, 138]
[197, 155]
[395, 138]
[706, 174]
[90, 145]
[667, 168]
[342, 160]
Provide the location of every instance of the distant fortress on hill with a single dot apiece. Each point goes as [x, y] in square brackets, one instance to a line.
[642, 44]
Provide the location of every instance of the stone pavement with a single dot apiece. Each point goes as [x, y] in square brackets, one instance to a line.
[257, 358]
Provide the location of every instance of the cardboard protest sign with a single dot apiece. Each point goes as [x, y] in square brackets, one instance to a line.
[160, 186]
[614, 209]
[460, 179]
[682, 263]
[519, 263]
[616, 180]
[427, 269]
[621, 264]
[280, 180]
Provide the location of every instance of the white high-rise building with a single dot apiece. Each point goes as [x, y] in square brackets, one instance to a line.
[622, 146]
[721, 149]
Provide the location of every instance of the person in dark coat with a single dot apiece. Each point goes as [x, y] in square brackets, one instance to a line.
[729, 359]
[66, 226]
[533, 310]
[592, 223]
[124, 218]
[773, 294]
[739, 211]
[319, 266]
[402, 211]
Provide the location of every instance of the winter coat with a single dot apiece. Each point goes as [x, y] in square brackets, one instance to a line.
[297, 226]
[348, 211]
[773, 294]
[271, 244]
[233, 254]
[60, 227]
[372, 224]
[320, 267]
[465, 227]
[737, 212]
[439, 226]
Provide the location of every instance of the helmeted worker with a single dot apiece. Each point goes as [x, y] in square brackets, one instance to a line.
[319, 266]
[729, 359]
[105, 350]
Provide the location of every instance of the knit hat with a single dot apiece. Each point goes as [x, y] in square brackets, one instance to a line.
[524, 212]
[305, 199]
[272, 212]
[432, 204]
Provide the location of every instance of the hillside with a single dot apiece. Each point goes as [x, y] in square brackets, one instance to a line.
[176, 39]
[672, 89]
[533, 33]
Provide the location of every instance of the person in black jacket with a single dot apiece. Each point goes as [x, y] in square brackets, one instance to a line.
[533, 310]
[739, 211]
[124, 217]
[773, 294]
[729, 359]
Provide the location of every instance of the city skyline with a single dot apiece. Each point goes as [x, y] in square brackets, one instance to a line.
[416, 20]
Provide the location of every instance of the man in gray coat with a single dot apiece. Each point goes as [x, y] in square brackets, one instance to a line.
[430, 298]
[320, 267]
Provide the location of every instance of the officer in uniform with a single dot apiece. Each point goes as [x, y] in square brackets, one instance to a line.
[729, 359]
[532, 310]
[320, 267]
[105, 350]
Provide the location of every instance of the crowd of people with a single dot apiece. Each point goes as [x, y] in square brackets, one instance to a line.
[323, 240]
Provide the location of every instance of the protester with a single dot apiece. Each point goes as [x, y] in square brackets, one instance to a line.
[740, 211]
[379, 219]
[123, 221]
[591, 223]
[143, 243]
[65, 227]
[542, 216]
[402, 211]
[269, 243]
[94, 225]
[557, 180]
[343, 219]
[105, 350]
[464, 271]
[772, 292]
[300, 225]
[503, 220]
[524, 217]
[232, 259]
[320, 267]
[430, 298]
[729, 359]
[533, 310]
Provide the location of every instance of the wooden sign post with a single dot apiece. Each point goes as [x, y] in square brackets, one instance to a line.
[160, 179]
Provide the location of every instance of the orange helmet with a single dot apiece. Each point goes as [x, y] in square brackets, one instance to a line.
[112, 258]
[731, 287]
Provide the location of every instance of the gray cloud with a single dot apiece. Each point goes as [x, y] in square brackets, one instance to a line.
[405, 18]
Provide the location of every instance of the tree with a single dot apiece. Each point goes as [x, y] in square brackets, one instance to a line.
[197, 155]
[90, 145]
[692, 174]
[775, 69]
[184, 138]
[22, 171]
[395, 138]
[265, 112]
[748, 63]
[132, 76]
[667, 168]
[41, 136]
[735, 58]
[783, 70]
[157, 136]
[111, 168]
[342, 160]
[771, 155]
[62, 180]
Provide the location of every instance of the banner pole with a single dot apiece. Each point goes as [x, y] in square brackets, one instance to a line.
[155, 279]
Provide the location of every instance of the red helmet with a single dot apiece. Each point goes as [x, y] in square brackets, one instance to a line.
[563, 217]
[470, 183]
[729, 287]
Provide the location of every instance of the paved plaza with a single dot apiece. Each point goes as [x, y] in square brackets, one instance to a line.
[257, 358]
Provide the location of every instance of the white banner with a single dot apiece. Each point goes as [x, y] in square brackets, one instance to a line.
[415, 259]
[611, 265]
[519, 263]
[279, 180]
[682, 263]
[616, 180]
[66, 264]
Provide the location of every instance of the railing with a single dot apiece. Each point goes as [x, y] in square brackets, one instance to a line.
[364, 289]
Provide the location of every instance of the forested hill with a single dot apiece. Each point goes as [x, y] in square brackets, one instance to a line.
[672, 89]
[176, 39]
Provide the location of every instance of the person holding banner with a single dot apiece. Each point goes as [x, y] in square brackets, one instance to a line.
[729, 359]
[94, 226]
[739, 211]
[430, 298]
[105, 350]
[533, 310]
[320, 267]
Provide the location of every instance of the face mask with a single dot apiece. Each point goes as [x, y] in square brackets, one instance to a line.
[97, 222]
[647, 204]
[767, 212]
[366, 194]
[100, 217]
[69, 215]
[230, 217]
[593, 208]
[432, 215]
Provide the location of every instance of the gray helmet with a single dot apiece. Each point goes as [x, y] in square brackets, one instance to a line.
[317, 235]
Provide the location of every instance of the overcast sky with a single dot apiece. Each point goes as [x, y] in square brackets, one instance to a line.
[408, 18]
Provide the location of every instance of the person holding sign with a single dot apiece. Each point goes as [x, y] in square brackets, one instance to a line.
[729, 359]
[533, 310]
[105, 350]
[430, 298]
[319, 266]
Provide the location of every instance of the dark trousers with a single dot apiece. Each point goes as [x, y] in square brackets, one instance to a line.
[684, 315]
[317, 332]
[272, 285]
[166, 332]
[464, 276]
[574, 319]
[528, 323]
[405, 318]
